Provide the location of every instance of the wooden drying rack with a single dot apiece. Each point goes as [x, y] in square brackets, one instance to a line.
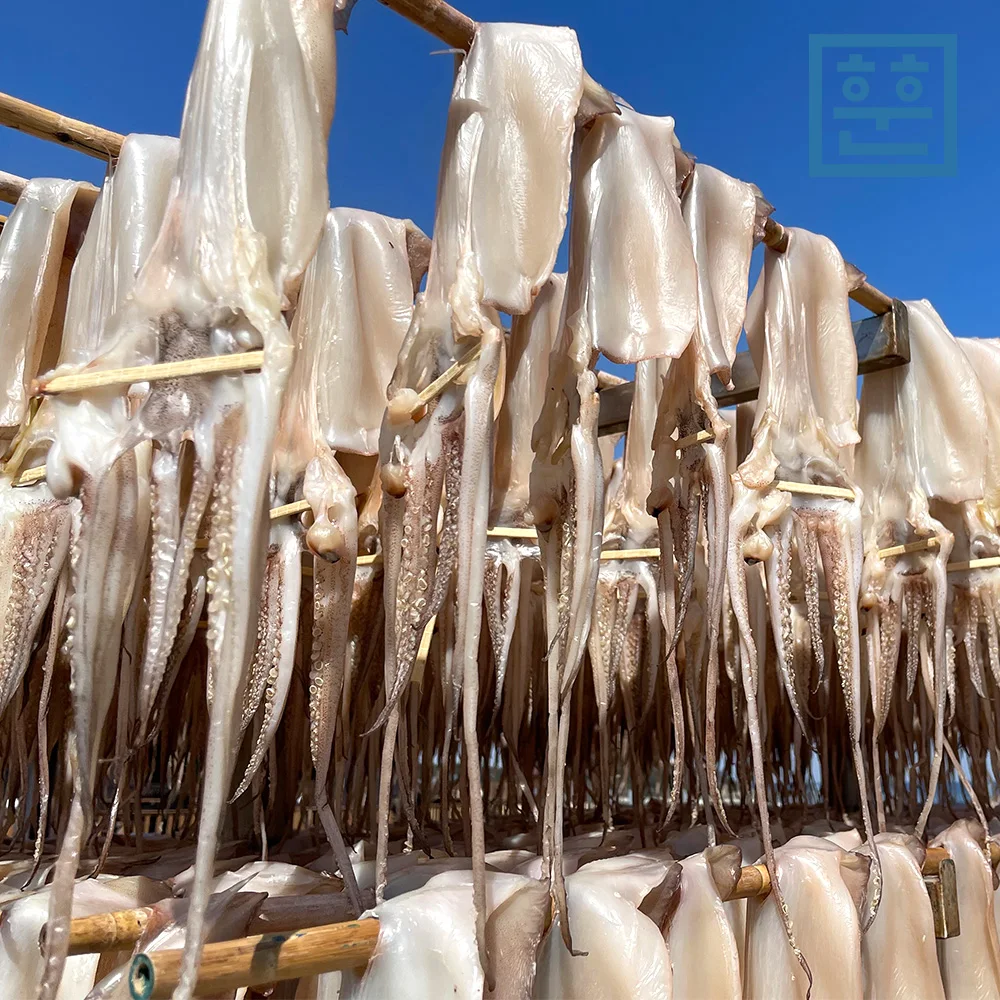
[288, 939]
[882, 343]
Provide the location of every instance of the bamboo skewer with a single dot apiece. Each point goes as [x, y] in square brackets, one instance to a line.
[287, 509]
[899, 550]
[530, 534]
[502, 532]
[44, 124]
[692, 439]
[445, 379]
[608, 555]
[30, 476]
[987, 563]
[216, 364]
[258, 959]
[814, 489]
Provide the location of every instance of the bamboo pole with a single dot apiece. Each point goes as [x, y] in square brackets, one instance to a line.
[440, 19]
[216, 364]
[70, 132]
[100, 932]
[258, 959]
[120, 929]
[754, 880]
[11, 187]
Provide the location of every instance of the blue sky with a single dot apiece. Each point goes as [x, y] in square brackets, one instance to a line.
[734, 76]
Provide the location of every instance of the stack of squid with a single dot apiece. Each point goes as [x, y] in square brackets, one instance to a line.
[532, 694]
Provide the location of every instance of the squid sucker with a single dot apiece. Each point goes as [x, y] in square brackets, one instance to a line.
[396, 588]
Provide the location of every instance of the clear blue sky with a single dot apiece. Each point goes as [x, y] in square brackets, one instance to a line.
[734, 76]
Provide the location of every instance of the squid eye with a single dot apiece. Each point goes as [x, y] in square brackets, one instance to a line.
[393, 480]
[327, 541]
[757, 547]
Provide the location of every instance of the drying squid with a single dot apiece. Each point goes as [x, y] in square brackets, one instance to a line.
[34, 526]
[625, 639]
[689, 481]
[360, 286]
[824, 888]
[970, 963]
[974, 610]
[112, 514]
[625, 195]
[512, 555]
[703, 925]
[923, 447]
[898, 951]
[620, 950]
[501, 210]
[227, 260]
[33, 283]
[805, 430]
[435, 926]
